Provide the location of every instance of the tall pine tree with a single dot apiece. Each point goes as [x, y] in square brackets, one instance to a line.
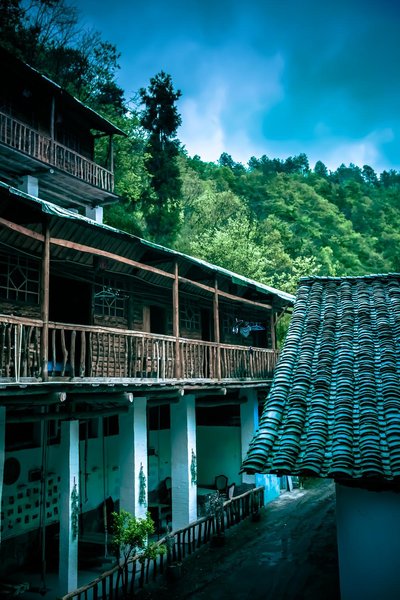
[161, 202]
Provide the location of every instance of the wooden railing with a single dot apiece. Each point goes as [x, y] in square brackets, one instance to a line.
[20, 344]
[124, 581]
[79, 351]
[21, 137]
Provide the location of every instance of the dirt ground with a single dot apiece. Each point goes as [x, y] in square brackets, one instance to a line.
[290, 554]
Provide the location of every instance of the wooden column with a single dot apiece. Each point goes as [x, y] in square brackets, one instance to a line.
[44, 298]
[52, 126]
[216, 329]
[273, 332]
[175, 320]
[111, 153]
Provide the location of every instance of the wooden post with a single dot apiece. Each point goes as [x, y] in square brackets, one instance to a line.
[111, 153]
[175, 319]
[216, 328]
[52, 128]
[44, 297]
[273, 332]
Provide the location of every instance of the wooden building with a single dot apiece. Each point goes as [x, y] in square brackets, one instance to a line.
[124, 365]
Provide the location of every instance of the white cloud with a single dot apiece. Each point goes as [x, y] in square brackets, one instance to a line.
[234, 92]
[365, 151]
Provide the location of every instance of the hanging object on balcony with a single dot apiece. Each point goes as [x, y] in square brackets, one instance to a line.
[246, 327]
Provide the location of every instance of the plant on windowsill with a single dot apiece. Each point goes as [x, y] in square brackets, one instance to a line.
[130, 539]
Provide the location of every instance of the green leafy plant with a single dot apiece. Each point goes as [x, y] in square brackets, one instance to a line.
[142, 487]
[130, 534]
[74, 511]
[130, 539]
[193, 468]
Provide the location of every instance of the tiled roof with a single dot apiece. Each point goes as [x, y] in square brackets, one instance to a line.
[334, 406]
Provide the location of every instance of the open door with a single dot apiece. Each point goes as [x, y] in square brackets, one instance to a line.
[70, 303]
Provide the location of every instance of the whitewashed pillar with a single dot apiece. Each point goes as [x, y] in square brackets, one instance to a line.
[248, 425]
[183, 461]
[133, 458]
[2, 449]
[69, 506]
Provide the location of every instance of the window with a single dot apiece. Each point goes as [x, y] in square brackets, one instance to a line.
[19, 279]
[109, 301]
[189, 315]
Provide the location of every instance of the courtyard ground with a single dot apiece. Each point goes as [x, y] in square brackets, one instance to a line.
[290, 554]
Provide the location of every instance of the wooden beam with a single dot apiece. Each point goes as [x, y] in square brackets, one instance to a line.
[21, 229]
[110, 255]
[67, 415]
[102, 397]
[210, 289]
[205, 393]
[33, 399]
[203, 403]
[44, 301]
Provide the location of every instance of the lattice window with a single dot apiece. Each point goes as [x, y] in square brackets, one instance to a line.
[228, 321]
[109, 300]
[189, 316]
[19, 279]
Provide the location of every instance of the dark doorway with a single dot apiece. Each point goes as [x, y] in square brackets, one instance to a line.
[70, 301]
[207, 325]
[158, 320]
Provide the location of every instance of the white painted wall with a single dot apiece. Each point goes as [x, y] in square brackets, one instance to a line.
[218, 453]
[20, 501]
[368, 531]
[271, 484]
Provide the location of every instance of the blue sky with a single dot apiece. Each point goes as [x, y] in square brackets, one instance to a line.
[274, 77]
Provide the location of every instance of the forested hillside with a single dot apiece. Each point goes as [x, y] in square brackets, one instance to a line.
[273, 220]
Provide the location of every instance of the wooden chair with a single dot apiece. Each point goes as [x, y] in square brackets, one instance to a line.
[221, 484]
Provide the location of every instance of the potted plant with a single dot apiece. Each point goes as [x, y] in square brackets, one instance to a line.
[215, 508]
[174, 568]
[130, 538]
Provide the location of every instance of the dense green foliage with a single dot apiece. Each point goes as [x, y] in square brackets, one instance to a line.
[272, 219]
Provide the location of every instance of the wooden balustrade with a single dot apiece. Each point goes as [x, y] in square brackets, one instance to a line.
[20, 348]
[130, 578]
[79, 351]
[242, 362]
[21, 137]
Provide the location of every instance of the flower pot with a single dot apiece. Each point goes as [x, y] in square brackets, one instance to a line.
[174, 572]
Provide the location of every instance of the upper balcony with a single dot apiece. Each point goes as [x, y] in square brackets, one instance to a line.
[40, 150]
[47, 133]
[80, 354]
